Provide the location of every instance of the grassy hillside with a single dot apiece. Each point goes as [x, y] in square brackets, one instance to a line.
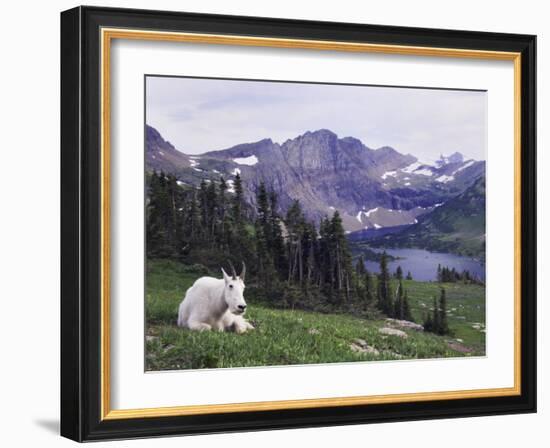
[285, 337]
[458, 226]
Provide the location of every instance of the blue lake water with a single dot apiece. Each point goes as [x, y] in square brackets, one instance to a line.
[423, 264]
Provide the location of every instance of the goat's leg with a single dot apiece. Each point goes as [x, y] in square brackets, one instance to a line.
[219, 326]
[199, 326]
[240, 325]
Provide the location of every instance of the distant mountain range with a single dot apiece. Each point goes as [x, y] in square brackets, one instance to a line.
[371, 188]
[457, 226]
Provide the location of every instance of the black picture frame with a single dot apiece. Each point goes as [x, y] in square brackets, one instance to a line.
[81, 224]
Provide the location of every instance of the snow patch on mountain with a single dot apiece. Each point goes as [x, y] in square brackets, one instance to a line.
[250, 160]
[463, 167]
[412, 167]
[388, 173]
[444, 179]
[424, 172]
[372, 210]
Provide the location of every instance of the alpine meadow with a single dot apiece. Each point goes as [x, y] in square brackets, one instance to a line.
[276, 236]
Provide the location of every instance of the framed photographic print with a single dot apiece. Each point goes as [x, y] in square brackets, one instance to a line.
[273, 223]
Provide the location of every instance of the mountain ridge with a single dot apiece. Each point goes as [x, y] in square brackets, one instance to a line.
[457, 226]
[371, 188]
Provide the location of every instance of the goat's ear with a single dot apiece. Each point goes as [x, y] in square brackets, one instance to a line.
[225, 276]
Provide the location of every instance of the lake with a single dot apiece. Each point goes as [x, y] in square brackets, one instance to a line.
[423, 264]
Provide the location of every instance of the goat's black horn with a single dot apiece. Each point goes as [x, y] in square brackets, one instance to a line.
[233, 272]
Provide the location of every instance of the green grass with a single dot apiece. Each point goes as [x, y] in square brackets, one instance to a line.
[284, 337]
[465, 309]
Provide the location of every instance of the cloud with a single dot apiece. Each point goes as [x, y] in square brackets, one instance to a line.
[199, 115]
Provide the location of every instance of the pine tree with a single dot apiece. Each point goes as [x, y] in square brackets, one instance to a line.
[263, 204]
[428, 322]
[225, 233]
[369, 288]
[384, 296]
[360, 266]
[153, 216]
[407, 315]
[203, 207]
[310, 249]
[399, 273]
[276, 241]
[212, 211]
[262, 226]
[409, 275]
[326, 269]
[162, 218]
[342, 255]
[193, 219]
[443, 327]
[237, 203]
[436, 317]
[294, 222]
[398, 305]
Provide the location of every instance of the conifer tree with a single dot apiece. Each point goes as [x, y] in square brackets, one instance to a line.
[342, 255]
[360, 266]
[409, 275]
[407, 315]
[326, 274]
[428, 322]
[398, 305]
[212, 211]
[203, 207]
[443, 327]
[276, 241]
[162, 219]
[224, 215]
[237, 202]
[193, 219]
[262, 226]
[399, 273]
[310, 248]
[295, 227]
[384, 296]
[369, 288]
[435, 319]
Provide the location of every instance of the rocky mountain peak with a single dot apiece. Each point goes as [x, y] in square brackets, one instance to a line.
[323, 133]
[455, 157]
[325, 173]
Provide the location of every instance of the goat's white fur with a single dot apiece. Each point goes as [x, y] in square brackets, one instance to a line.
[213, 304]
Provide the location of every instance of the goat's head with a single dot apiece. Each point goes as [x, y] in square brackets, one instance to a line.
[234, 289]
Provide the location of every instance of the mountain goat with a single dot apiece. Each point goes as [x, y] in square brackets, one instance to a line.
[215, 304]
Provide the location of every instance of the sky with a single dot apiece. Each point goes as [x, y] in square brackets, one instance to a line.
[199, 115]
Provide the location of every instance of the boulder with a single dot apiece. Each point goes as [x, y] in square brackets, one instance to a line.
[388, 331]
[404, 324]
[361, 346]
